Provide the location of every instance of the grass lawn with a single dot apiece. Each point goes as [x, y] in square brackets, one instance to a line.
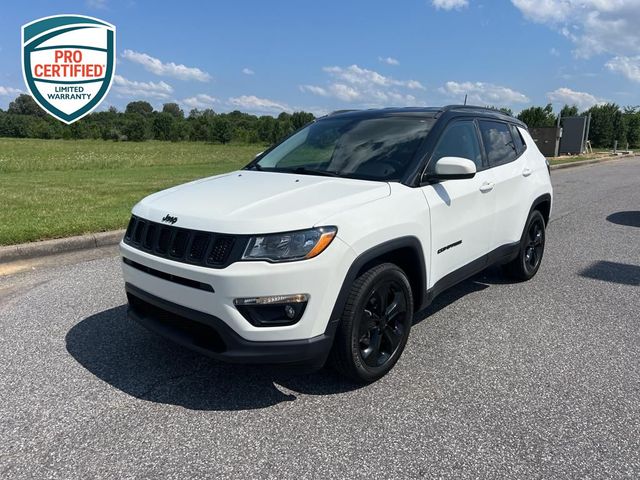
[58, 188]
[598, 153]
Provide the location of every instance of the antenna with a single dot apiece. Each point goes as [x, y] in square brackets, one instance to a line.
[465, 98]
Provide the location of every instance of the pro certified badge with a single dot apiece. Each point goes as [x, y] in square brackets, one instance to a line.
[68, 62]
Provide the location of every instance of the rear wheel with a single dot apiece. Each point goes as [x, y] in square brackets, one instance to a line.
[375, 324]
[529, 258]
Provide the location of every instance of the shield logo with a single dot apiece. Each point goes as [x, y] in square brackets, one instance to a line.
[68, 62]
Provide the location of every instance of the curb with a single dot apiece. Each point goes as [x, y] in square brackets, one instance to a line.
[24, 251]
[591, 161]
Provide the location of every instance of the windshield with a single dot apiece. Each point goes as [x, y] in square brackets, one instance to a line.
[367, 148]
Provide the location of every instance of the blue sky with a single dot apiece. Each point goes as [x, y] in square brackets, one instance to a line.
[268, 56]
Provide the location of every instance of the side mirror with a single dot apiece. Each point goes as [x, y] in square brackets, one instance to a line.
[452, 168]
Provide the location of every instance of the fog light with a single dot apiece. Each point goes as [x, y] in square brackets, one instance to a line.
[289, 311]
[272, 311]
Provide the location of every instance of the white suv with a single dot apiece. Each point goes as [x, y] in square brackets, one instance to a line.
[325, 245]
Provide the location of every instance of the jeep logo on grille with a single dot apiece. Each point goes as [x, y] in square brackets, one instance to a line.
[169, 219]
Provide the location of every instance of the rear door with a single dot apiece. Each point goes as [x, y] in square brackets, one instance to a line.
[505, 152]
[461, 210]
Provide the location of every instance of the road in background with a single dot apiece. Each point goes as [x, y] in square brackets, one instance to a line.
[538, 379]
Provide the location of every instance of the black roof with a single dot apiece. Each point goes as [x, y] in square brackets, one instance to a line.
[430, 112]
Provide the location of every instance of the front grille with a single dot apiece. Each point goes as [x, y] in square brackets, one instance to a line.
[219, 250]
[207, 249]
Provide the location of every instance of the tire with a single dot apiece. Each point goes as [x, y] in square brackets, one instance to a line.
[526, 264]
[372, 332]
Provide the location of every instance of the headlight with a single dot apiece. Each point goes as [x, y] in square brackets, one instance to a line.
[283, 247]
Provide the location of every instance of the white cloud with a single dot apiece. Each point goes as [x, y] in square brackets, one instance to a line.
[256, 104]
[132, 88]
[200, 101]
[344, 92]
[483, 93]
[554, 51]
[627, 66]
[314, 89]
[567, 96]
[336, 90]
[356, 75]
[9, 91]
[450, 4]
[248, 71]
[170, 69]
[389, 60]
[367, 88]
[595, 26]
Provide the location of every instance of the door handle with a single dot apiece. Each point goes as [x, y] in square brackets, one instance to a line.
[526, 172]
[486, 187]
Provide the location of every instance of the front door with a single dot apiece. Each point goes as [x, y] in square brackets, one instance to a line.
[461, 210]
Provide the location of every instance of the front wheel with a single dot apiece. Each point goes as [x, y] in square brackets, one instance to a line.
[375, 324]
[527, 263]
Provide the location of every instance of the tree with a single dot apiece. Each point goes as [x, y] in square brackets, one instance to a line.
[569, 111]
[135, 127]
[266, 127]
[536, 117]
[140, 107]
[220, 130]
[300, 119]
[632, 118]
[25, 105]
[200, 123]
[607, 125]
[173, 109]
[179, 130]
[162, 125]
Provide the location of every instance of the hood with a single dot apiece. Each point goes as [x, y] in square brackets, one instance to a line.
[250, 202]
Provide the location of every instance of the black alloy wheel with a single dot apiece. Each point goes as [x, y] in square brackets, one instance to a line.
[375, 324]
[535, 245]
[529, 258]
[383, 323]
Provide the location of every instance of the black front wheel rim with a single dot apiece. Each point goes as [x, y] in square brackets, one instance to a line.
[383, 324]
[534, 246]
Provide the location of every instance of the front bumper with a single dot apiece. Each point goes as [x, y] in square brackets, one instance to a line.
[211, 336]
[212, 291]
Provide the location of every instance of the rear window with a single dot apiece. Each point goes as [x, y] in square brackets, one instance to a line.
[498, 142]
[521, 146]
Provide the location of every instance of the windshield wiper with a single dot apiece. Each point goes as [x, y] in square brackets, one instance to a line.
[311, 171]
[255, 166]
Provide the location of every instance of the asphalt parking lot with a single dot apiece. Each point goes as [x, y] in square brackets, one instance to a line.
[499, 380]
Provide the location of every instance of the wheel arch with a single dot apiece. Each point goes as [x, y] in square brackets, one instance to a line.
[406, 252]
[542, 204]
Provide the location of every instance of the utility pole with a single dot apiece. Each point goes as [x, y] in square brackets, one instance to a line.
[465, 98]
[558, 135]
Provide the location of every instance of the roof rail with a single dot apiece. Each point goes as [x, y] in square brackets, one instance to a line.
[336, 112]
[446, 108]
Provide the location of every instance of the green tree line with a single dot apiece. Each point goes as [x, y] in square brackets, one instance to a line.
[609, 122]
[140, 122]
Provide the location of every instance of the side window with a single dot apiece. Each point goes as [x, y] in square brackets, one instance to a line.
[459, 140]
[498, 142]
[521, 146]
